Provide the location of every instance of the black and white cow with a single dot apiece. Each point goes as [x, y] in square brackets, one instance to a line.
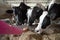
[52, 13]
[35, 13]
[21, 13]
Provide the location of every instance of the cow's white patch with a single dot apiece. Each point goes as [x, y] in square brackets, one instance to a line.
[38, 29]
[29, 12]
[52, 2]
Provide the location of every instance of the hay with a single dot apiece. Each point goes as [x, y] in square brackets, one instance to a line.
[52, 32]
[33, 36]
[51, 29]
[30, 36]
[9, 37]
[51, 37]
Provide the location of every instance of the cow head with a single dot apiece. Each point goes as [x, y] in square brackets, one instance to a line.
[36, 13]
[20, 13]
[44, 21]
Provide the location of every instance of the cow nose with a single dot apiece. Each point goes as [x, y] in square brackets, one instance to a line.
[36, 31]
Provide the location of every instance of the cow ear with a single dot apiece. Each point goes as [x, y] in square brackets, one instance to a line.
[9, 11]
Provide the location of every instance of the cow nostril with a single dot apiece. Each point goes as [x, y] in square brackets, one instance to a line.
[37, 31]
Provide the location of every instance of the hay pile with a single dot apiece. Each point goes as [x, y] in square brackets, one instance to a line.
[33, 36]
[52, 32]
[9, 37]
[52, 29]
[30, 36]
[51, 37]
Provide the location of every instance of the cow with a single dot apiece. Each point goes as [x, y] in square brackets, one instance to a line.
[51, 14]
[21, 13]
[35, 13]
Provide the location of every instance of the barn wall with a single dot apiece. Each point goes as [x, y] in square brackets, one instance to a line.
[1, 1]
[28, 2]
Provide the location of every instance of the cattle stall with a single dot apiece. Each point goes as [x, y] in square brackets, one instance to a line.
[29, 19]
